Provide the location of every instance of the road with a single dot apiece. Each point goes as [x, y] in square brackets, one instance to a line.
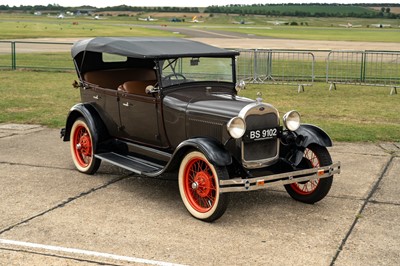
[53, 215]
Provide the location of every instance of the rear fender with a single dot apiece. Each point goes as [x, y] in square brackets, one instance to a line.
[92, 117]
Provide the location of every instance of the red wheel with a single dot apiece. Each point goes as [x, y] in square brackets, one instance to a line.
[199, 187]
[313, 190]
[82, 148]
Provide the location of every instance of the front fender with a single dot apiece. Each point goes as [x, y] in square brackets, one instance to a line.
[93, 120]
[305, 135]
[313, 134]
[212, 149]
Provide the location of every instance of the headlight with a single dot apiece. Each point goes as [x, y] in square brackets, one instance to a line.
[291, 120]
[236, 127]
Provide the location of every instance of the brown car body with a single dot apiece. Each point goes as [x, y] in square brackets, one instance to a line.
[163, 104]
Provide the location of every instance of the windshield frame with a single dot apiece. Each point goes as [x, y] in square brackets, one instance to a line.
[177, 75]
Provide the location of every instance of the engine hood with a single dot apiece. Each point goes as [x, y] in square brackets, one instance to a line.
[218, 105]
[200, 112]
[210, 102]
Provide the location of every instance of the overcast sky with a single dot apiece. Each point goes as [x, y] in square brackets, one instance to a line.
[192, 3]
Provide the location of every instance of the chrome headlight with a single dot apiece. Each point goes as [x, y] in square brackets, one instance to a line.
[236, 127]
[291, 120]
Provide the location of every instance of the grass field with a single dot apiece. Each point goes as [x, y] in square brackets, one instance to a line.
[30, 26]
[351, 113]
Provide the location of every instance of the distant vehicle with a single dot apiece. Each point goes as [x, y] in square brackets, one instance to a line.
[242, 22]
[176, 20]
[60, 16]
[350, 25]
[195, 20]
[172, 106]
[148, 19]
[97, 17]
[277, 22]
[381, 25]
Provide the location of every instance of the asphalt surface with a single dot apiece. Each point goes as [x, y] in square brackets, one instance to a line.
[50, 214]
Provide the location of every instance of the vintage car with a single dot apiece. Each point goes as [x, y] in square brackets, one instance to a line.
[157, 105]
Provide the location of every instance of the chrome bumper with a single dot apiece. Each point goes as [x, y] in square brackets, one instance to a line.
[263, 182]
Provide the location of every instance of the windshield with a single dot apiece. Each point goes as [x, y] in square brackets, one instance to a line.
[194, 69]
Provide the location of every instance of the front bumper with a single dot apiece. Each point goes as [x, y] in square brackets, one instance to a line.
[263, 182]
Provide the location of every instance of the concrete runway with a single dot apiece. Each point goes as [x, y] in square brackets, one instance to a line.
[53, 215]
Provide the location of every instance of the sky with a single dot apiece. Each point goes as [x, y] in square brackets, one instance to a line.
[177, 3]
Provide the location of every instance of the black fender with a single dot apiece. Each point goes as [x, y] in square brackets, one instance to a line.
[306, 135]
[95, 123]
[313, 134]
[213, 150]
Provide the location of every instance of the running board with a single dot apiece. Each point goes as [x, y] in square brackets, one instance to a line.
[134, 164]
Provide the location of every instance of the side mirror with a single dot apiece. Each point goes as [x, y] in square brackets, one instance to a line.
[241, 85]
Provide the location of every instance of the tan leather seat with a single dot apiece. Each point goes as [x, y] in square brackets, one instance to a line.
[137, 87]
[111, 79]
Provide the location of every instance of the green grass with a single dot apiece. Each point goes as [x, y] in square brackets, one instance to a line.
[351, 113]
[41, 27]
[14, 26]
[36, 97]
[321, 33]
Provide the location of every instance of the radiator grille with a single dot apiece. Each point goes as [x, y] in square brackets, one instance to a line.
[260, 153]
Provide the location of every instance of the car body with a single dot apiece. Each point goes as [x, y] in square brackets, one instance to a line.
[156, 105]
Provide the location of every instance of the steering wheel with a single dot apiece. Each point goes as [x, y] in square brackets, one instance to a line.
[176, 75]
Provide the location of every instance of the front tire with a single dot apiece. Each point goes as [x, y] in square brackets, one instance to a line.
[314, 190]
[199, 187]
[82, 148]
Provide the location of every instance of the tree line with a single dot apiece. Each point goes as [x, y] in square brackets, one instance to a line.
[291, 10]
[58, 8]
[308, 10]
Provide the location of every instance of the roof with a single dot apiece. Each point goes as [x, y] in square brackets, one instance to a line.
[148, 47]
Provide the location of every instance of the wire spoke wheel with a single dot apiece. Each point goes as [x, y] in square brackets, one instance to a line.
[314, 190]
[199, 187]
[82, 148]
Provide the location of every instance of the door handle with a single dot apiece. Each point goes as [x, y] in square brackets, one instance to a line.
[126, 104]
[96, 97]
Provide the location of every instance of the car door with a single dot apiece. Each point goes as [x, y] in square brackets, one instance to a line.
[105, 101]
[140, 119]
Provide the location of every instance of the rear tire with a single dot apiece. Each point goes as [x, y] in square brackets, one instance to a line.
[314, 190]
[81, 144]
[199, 187]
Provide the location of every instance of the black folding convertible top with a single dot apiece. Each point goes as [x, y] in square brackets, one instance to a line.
[148, 47]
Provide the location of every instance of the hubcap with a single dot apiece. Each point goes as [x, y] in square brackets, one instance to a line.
[202, 184]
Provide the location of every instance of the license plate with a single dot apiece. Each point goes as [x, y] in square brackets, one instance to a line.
[261, 134]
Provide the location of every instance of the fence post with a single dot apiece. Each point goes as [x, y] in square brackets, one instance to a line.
[255, 66]
[13, 56]
[363, 66]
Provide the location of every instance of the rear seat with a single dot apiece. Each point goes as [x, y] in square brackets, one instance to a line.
[136, 87]
[132, 80]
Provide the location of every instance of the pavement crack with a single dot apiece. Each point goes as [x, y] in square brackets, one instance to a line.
[58, 256]
[35, 165]
[359, 214]
[65, 202]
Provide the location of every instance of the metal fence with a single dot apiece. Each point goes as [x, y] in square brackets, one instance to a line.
[276, 67]
[378, 68]
[35, 55]
[293, 67]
